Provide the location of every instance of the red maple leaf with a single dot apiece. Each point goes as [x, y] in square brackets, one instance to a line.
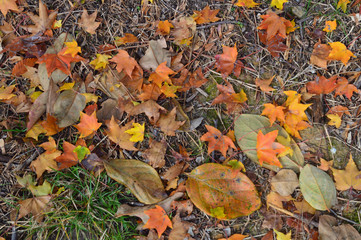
[217, 141]
[267, 148]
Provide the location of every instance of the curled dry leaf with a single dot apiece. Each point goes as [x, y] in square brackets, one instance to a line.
[214, 186]
[184, 29]
[180, 228]
[141, 179]
[285, 182]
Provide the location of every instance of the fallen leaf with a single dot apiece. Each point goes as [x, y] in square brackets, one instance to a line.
[184, 30]
[119, 136]
[275, 45]
[150, 108]
[206, 15]
[155, 153]
[50, 126]
[45, 162]
[6, 92]
[168, 124]
[36, 206]
[141, 179]
[343, 4]
[246, 3]
[343, 87]
[68, 158]
[88, 23]
[346, 179]
[155, 55]
[317, 188]
[340, 52]
[213, 185]
[124, 62]
[137, 132]
[6, 5]
[275, 199]
[330, 26]
[100, 62]
[183, 207]
[22, 66]
[335, 120]
[320, 53]
[217, 141]
[264, 84]
[339, 110]
[128, 38]
[40, 190]
[158, 219]
[325, 165]
[285, 182]
[88, 124]
[72, 48]
[225, 62]
[235, 237]
[303, 207]
[232, 99]
[267, 148]
[50, 146]
[282, 236]
[180, 229]
[329, 230]
[278, 3]
[35, 131]
[150, 92]
[43, 22]
[273, 24]
[322, 85]
[174, 171]
[164, 27]
[274, 112]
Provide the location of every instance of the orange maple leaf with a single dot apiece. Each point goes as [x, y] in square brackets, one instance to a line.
[320, 53]
[343, 87]
[293, 124]
[273, 24]
[164, 27]
[225, 62]
[50, 125]
[217, 141]
[340, 52]
[128, 38]
[88, 124]
[150, 92]
[322, 85]
[228, 96]
[158, 219]
[119, 136]
[274, 45]
[206, 15]
[267, 148]
[246, 3]
[339, 110]
[274, 112]
[161, 74]
[69, 158]
[124, 62]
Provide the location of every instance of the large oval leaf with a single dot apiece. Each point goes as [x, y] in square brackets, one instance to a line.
[317, 188]
[246, 128]
[214, 186]
[141, 179]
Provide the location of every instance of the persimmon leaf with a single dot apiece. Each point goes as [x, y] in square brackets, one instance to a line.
[158, 219]
[211, 186]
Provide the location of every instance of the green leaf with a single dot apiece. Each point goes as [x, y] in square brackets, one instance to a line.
[41, 190]
[141, 179]
[222, 192]
[81, 152]
[317, 188]
[246, 128]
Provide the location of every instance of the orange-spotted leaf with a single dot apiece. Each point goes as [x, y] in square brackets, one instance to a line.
[158, 219]
[164, 27]
[246, 3]
[69, 158]
[225, 62]
[88, 124]
[340, 52]
[343, 4]
[221, 191]
[278, 3]
[124, 62]
[330, 26]
[343, 87]
[267, 148]
[128, 38]
[217, 141]
[206, 15]
[322, 85]
[274, 112]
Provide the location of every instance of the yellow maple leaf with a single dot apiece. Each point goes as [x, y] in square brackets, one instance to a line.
[291, 28]
[246, 3]
[340, 52]
[6, 92]
[72, 48]
[343, 4]
[169, 90]
[57, 24]
[278, 3]
[35, 131]
[66, 86]
[335, 120]
[137, 132]
[218, 212]
[350, 177]
[282, 236]
[291, 96]
[101, 61]
[330, 26]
